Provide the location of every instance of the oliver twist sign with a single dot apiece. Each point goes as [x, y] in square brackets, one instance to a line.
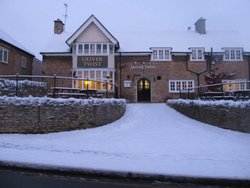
[92, 61]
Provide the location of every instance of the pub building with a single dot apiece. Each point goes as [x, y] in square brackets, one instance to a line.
[145, 66]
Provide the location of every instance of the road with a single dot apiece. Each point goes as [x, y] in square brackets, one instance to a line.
[24, 179]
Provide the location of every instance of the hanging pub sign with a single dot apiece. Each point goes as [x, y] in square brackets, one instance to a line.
[92, 61]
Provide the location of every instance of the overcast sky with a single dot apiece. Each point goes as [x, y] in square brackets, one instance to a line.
[30, 22]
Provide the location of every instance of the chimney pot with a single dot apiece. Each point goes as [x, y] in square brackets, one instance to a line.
[58, 26]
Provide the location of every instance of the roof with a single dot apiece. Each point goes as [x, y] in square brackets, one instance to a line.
[8, 39]
[179, 41]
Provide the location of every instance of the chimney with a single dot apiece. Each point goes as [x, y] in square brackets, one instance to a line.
[200, 26]
[58, 26]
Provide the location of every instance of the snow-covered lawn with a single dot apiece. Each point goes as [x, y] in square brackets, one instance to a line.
[149, 138]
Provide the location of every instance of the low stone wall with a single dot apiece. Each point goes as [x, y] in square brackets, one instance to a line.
[44, 115]
[234, 115]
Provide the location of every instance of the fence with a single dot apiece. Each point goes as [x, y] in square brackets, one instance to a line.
[234, 90]
[26, 85]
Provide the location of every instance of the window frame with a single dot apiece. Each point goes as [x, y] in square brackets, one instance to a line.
[161, 54]
[24, 62]
[94, 49]
[4, 55]
[175, 86]
[233, 54]
[197, 53]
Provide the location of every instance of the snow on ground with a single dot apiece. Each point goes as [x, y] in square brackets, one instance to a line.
[149, 138]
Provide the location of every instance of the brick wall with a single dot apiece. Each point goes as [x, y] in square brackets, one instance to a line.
[230, 115]
[59, 65]
[175, 69]
[44, 115]
[14, 62]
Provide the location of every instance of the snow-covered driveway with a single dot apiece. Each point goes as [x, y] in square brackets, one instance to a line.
[149, 138]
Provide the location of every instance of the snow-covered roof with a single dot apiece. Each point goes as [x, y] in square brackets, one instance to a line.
[7, 38]
[57, 43]
[179, 41]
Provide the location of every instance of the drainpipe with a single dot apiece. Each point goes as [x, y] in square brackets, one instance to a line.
[120, 72]
[199, 73]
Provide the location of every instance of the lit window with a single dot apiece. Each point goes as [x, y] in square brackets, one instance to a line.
[3, 55]
[233, 54]
[175, 86]
[161, 54]
[197, 54]
[234, 85]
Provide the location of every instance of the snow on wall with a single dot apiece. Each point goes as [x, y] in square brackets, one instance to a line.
[44, 115]
[234, 115]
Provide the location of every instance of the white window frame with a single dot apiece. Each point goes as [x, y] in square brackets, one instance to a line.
[196, 51]
[233, 54]
[4, 55]
[233, 85]
[175, 86]
[24, 62]
[86, 74]
[161, 54]
[106, 49]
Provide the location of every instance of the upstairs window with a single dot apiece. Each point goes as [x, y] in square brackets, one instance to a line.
[3, 55]
[24, 62]
[161, 54]
[233, 54]
[94, 49]
[197, 54]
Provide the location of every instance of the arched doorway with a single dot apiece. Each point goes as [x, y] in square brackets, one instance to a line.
[143, 90]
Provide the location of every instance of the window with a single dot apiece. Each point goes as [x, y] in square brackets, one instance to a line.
[98, 49]
[233, 54]
[127, 83]
[197, 54]
[234, 85]
[161, 54]
[92, 48]
[3, 55]
[95, 79]
[105, 49]
[175, 86]
[79, 48]
[111, 49]
[86, 48]
[24, 62]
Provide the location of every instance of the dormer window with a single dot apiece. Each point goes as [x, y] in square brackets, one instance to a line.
[197, 54]
[161, 54]
[233, 54]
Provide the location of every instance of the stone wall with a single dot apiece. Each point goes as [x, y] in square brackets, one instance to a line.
[44, 115]
[234, 115]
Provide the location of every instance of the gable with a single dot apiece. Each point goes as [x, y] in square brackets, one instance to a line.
[92, 34]
[92, 24]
